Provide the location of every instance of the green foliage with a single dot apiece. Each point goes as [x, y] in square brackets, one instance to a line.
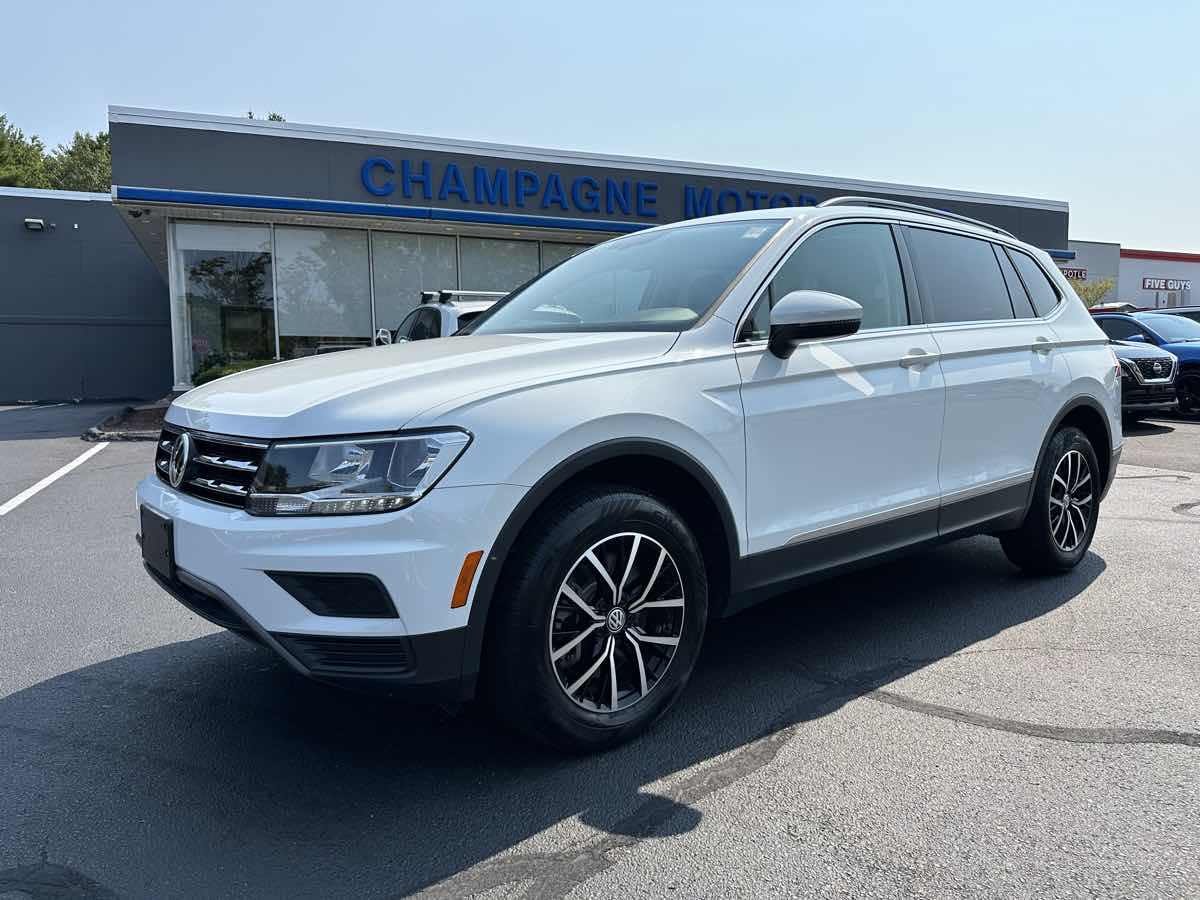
[83, 165]
[1092, 292]
[22, 160]
[271, 117]
[213, 372]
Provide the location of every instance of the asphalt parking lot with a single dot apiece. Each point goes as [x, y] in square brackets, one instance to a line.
[939, 726]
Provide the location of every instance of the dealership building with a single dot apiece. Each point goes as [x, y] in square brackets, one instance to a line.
[278, 238]
[229, 240]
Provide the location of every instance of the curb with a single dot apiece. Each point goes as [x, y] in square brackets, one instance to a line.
[98, 432]
[95, 433]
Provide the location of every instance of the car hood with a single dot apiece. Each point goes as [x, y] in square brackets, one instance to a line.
[1188, 350]
[382, 388]
[1136, 350]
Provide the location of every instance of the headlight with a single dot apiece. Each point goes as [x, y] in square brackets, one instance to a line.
[355, 475]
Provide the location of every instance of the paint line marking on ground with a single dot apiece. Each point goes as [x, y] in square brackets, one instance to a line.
[28, 406]
[78, 461]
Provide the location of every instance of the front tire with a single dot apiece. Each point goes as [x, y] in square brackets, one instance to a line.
[1188, 393]
[1061, 520]
[599, 619]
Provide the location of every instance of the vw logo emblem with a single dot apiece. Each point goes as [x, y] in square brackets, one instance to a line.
[615, 619]
[1158, 368]
[181, 455]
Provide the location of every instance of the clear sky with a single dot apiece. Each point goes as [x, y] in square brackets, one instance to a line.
[1094, 103]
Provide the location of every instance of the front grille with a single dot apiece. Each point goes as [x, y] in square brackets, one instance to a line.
[221, 469]
[1146, 368]
[364, 656]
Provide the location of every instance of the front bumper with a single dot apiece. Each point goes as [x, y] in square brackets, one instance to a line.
[222, 556]
[1136, 397]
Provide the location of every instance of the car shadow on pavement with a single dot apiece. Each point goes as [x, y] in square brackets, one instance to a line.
[1143, 427]
[206, 768]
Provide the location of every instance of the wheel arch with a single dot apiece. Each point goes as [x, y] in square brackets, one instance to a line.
[1087, 414]
[664, 469]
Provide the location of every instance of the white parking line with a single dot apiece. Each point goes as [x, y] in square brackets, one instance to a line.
[28, 406]
[78, 461]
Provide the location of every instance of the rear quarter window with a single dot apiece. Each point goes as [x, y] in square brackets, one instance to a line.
[1022, 305]
[1043, 294]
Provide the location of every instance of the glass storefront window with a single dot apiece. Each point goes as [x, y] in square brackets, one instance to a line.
[225, 308]
[229, 291]
[553, 254]
[324, 288]
[406, 264]
[496, 265]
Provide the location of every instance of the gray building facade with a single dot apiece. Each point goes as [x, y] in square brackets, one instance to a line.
[84, 314]
[281, 239]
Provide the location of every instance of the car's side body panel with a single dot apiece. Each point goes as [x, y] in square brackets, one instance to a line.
[1005, 382]
[814, 421]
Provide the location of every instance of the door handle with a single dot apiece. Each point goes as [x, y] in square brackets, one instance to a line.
[1042, 345]
[917, 358]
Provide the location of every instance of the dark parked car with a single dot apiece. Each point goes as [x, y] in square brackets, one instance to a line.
[1175, 334]
[1147, 379]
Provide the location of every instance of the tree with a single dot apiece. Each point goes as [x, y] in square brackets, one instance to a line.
[1092, 292]
[271, 117]
[84, 165]
[22, 161]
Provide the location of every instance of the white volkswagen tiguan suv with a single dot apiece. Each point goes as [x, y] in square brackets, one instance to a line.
[549, 510]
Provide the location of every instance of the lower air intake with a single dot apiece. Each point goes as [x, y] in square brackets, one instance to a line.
[362, 656]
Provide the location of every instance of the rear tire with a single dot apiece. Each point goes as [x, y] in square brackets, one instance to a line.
[1061, 520]
[581, 659]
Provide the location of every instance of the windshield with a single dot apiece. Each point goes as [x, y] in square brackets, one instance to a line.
[1172, 328]
[654, 281]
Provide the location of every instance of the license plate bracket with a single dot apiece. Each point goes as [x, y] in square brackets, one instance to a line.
[158, 548]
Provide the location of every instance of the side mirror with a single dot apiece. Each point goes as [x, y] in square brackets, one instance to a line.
[382, 337]
[1137, 338]
[807, 315]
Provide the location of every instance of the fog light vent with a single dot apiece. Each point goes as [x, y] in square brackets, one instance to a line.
[338, 594]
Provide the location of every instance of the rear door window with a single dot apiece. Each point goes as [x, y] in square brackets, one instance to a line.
[959, 277]
[1044, 294]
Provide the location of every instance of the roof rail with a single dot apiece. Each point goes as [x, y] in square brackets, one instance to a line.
[447, 296]
[914, 207]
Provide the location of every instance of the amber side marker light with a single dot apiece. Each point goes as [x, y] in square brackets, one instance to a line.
[466, 575]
